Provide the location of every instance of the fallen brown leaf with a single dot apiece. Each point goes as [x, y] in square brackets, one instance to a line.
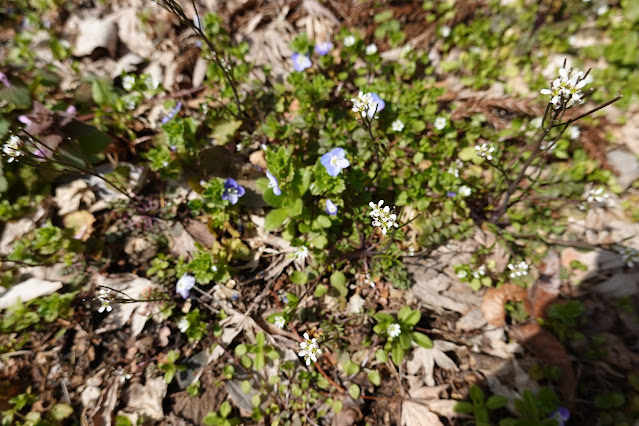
[546, 289]
[492, 304]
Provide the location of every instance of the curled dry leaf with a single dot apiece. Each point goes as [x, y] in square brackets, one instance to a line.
[81, 222]
[417, 412]
[147, 399]
[68, 197]
[427, 358]
[546, 289]
[545, 346]
[492, 304]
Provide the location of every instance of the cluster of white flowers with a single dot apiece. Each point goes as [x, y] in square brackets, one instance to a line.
[397, 125]
[364, 104]
[630, 256]
[597, 195]
[565, 91]
[464, 191]
[12, 148]
[383, 217]
[453, 169]
[393, 330]
[104, 297]
[480, 272]
[369, 280]
[371, 49]
[279, 322]
[518, 269]
[309, 349]
[485, 151]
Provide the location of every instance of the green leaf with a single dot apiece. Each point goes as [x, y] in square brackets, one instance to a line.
[374, 377]
[320, 290]
[338, 279]
[225, 409]
[275, 219]
[476, 395]
[245, 386]
[381, 355]
[496, 401]
[17, 95]
[102, 92]
[319, 242]
[299, 277]
[61, 411]
[225, 131]
[397, 354]
[405, 340]
[354, 391]
[463, 407]
[403, 313]
[468, 153]
[412, 318]
[422, 340]
[272, 199]
[351, 368]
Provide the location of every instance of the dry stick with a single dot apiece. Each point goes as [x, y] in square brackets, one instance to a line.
[515, 183]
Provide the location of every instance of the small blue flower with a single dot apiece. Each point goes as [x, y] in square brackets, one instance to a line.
[273, 183]
[451, 194]
[301, 62]
[335, 161]
[330, 208]
[232, 191]
[323, 48]
[184, 285]
[562, 415]
[172, 113]
[378, 105]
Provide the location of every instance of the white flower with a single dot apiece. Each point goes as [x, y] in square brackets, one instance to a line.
[104, 297]
[519, 269]
[301, 253]
[309, 349]
[453, 169]
[397, 125]
[406, 50]
[152, 83]
[597, 196]
[462, 273]
[445, 31]
[371, 49]
[122, 375]
[464, 191]
[485, 151]
[382, 217]
[183, 324]
[630, 256]
[279, 322]
[602, 9]
[12, 148]
[440, 123]
[393, 330]
[369, 280]
[129, 104]
[349, 40]
[127, 82]
[364, 104]
[574, 132]
[565, 91]
[480, 272]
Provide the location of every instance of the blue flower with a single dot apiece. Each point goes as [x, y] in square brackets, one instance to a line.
[323, 48]
[335, 161]
[300, 62]
[232, 191]
[184, 285]
[172, 113]
[330, 208]
[562, 415]
[378, 105]
[272, 183]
